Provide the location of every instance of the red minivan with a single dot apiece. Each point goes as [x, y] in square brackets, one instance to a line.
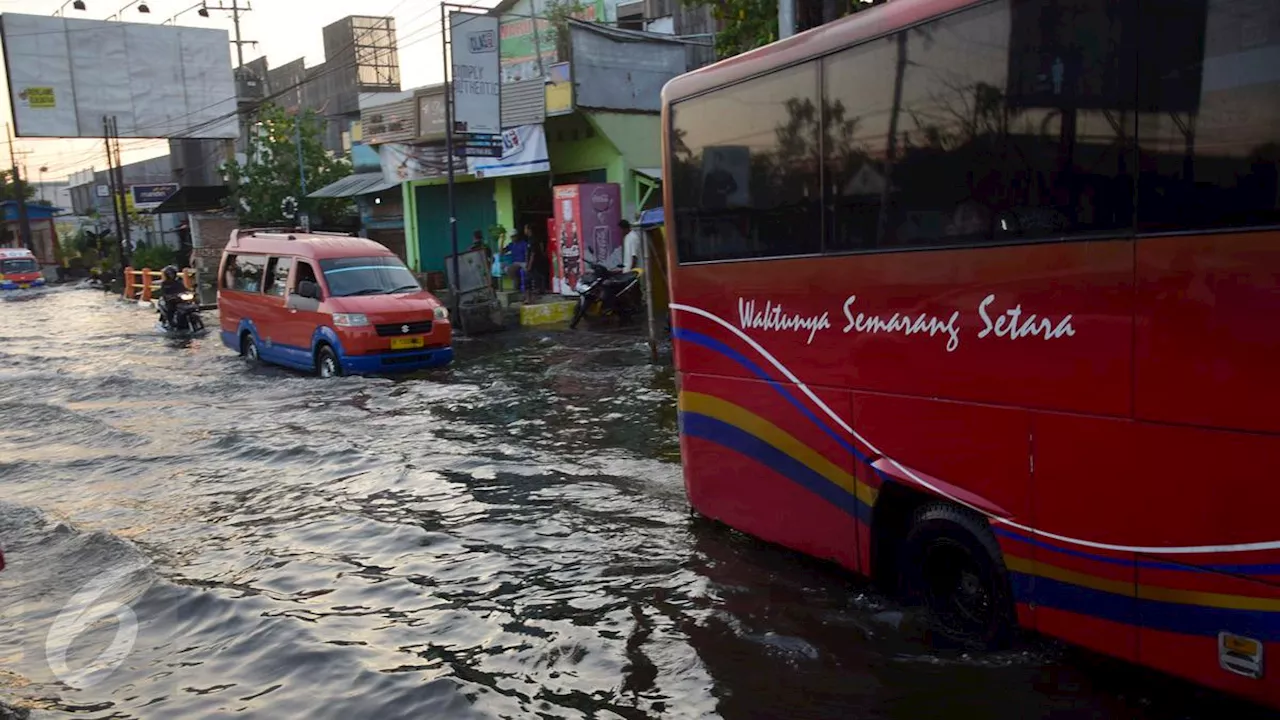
[328, 304]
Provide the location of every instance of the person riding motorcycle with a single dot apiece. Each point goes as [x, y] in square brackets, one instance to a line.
[171, 287]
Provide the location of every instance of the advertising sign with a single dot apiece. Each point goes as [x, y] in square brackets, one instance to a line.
[146, 197]
[477, 107]
[431, 114]
[392, 122]
[157, 81]
[586, 223]
[524, 151]
[559, 90]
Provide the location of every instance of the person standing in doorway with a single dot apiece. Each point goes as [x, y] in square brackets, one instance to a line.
[631, 252]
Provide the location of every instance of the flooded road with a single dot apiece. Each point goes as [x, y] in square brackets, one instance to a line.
[188, 536]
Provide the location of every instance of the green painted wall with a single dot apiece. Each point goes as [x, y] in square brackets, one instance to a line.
[505, 204]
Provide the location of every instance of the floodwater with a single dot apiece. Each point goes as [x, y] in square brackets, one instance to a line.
[190, 537]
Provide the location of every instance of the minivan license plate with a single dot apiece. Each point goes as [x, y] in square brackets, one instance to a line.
[406, 343]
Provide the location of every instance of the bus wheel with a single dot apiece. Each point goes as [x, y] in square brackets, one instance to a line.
[952, 566]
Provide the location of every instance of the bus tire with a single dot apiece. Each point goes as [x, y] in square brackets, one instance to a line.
[951, 565]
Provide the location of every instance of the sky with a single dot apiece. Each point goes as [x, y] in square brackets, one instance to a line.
[284, 30]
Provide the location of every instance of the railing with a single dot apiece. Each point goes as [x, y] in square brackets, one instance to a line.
[138, 284]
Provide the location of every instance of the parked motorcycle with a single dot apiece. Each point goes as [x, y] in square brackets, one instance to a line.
[185, 313]
[614, 292]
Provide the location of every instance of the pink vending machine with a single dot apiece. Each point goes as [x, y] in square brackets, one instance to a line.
[586, 231]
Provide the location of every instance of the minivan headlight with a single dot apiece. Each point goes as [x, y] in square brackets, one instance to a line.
[350, 319]
[442, 313]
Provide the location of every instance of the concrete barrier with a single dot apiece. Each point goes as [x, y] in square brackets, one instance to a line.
[552, 313]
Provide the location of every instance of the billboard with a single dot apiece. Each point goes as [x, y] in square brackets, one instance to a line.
[158, 81]
[473, 45]
[146, 197]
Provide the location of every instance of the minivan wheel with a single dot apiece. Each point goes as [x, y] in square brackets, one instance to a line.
[327, 365]
[249, 349]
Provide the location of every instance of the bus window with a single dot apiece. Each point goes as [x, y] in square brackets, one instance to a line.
[978, 156]
[1212, 160]
[857, 100]
[746, 169]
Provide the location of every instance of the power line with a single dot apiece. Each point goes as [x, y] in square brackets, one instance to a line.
[186, 134]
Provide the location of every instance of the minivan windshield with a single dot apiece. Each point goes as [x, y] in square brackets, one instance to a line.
[18, 265]
[379, 275]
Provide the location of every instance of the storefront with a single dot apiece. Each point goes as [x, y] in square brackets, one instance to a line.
[44, 237]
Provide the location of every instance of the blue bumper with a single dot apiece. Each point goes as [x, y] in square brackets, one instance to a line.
[396, 362]
[11, 285]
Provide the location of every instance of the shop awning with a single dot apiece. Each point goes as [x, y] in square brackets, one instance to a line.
[353, 185]
[651, 173]
[652, 218]
[192, 198]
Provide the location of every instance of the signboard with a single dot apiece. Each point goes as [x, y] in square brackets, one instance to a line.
[102, 191]
[393, 122]
[38, 98]
[559, 90]
[473, 44]
[158, 81]
[146, 197]
[431, 114]
[524, 151]
[486, 146]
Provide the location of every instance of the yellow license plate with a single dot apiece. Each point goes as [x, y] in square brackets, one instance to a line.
[406, 343]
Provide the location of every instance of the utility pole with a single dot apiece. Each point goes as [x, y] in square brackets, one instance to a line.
[111, 183]
[24, 221]
[786, 18]
[236, 11]
[456, 293]
[125, 236]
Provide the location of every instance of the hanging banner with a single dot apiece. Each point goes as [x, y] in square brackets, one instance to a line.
[473, 45]
[524, 152]
[401, 162]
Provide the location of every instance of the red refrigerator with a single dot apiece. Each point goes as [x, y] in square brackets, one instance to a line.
[585, 231]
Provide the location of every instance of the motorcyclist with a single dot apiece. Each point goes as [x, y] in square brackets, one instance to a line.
[171, 287]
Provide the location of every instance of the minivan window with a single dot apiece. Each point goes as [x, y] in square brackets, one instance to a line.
[247, 271]
[378, 275]
[278, 276]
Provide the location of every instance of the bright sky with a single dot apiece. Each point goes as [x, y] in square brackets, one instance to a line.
[284, 29]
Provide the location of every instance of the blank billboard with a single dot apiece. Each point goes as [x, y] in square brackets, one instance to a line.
[158, 81]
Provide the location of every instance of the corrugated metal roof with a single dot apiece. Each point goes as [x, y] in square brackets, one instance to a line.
[353, 185]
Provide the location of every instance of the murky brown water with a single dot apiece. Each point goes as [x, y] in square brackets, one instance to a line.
[507, 538]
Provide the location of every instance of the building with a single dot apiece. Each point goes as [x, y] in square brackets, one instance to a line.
[360, 59]
[44, 235]
[149, 182]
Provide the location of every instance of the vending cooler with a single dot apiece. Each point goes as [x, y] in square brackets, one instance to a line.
[584, 231]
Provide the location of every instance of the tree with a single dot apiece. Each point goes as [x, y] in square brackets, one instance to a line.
[9, 190]
[748, 24]
[261, 186]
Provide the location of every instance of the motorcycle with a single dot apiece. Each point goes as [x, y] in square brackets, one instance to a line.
[616, 292]
[185, 313]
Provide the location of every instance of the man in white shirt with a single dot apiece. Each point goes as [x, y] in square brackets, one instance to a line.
[630, 247]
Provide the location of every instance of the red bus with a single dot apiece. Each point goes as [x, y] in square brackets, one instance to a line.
[981, 299]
